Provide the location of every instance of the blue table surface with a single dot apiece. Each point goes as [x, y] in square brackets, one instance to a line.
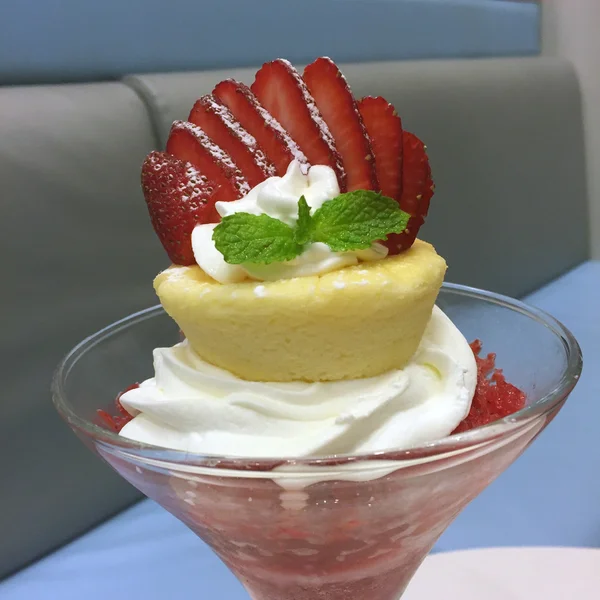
[550, 496]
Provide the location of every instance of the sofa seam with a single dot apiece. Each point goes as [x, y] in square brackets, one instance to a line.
[145, 93]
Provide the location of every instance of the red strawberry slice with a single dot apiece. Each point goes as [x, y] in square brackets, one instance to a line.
[220, 125]
[417, 190]
[385, 131]
[190, 143]
[417, 185]
[402, 167]
[281, 90]
[274, 140]
[178, 198]
[336, 103]
[397, 242]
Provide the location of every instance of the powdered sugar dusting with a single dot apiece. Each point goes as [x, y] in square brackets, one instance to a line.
[215, 151]
[260, 291]
[218, 155]
[291, 145]
[267, 118]
[319, 122]
[312, 107]
[237, 131]
[264, 163]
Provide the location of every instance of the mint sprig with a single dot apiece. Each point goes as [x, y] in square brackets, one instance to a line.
[260, 239]
[355, 220]
[304, 224]
[351, 221]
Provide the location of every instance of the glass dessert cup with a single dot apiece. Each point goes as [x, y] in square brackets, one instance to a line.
[330, 528]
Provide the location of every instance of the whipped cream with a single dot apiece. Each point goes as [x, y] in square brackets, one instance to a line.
[278, 197]
[193, 406]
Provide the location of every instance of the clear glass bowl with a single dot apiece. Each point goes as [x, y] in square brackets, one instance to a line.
[329, 528]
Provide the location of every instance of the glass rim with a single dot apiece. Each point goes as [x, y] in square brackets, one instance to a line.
[437, 449]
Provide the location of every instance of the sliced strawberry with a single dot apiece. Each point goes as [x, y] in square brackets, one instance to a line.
[402, 167]
[397, 242]
[417, 190]
[178, 198]
[274, 140]
[281, 90]
[336, 103]
[190, 143]
[385, 131]
[221, 126]
[417, 185]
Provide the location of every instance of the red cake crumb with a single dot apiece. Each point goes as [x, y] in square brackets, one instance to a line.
[494, 398]
[118, 421]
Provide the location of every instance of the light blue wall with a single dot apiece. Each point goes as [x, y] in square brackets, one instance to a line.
[65, 40]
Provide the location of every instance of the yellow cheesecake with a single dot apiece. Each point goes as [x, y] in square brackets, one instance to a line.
[357, 322]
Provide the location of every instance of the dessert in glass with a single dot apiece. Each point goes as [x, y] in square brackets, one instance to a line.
[306, 399]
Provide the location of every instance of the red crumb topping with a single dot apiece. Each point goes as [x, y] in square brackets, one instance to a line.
[117, 422]
[494, 398]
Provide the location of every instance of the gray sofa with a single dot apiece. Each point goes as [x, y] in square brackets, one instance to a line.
[510, 214]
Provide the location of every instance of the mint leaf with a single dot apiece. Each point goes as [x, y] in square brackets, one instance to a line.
[260, 239]
[353, 221]
[304, 224]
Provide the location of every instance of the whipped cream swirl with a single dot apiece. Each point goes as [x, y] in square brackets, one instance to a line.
[193, 406]
[278, 197]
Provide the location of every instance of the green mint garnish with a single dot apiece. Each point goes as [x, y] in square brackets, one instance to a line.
[351, 221]
[258, 239]
[304, 223]
[355, 220]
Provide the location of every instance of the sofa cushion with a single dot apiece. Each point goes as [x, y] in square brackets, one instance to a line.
[78, 252]
[506, 146]
[550, 496]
